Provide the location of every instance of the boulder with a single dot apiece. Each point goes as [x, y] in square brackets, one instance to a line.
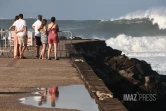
[126, 75]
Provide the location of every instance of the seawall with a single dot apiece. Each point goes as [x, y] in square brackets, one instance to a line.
[105, 70]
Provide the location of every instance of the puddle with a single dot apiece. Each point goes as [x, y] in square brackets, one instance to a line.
[63, 97]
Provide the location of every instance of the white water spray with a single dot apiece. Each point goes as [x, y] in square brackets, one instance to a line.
[156, 15]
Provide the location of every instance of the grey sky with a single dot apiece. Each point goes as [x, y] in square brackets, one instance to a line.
[75, 9]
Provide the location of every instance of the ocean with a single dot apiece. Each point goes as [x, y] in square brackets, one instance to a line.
[140, 34]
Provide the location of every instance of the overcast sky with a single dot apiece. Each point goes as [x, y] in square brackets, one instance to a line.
[75, 9]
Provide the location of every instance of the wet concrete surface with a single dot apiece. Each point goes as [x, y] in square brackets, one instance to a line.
[24, 75]
[63, 97]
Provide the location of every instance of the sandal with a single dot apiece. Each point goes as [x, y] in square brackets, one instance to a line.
[56, 58]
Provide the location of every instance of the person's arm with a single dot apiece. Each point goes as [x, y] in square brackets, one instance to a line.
[33, 25]
[57, 28]
[10, 27]
[24, 30]
[45, 29]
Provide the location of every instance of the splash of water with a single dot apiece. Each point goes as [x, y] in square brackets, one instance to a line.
[156, 15]
[138, 44]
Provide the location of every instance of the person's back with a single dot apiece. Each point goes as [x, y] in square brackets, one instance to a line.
[53, 31]
[21, 31]
[53, 37]
[37, 25]
[42, 33]
[19, 25]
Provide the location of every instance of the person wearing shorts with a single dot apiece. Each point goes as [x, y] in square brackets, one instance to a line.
[53, 37]
[36, 26]
[21, 31]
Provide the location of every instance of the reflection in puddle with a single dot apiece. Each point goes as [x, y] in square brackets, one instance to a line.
[65, 97]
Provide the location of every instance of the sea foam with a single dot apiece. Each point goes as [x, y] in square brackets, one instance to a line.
[151, 49]
[156, 15]
[144, 44]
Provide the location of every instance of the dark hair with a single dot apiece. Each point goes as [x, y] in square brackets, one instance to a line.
[40, 17]
[44, 22]
[21, 16]
[16, 18]
[53, 19]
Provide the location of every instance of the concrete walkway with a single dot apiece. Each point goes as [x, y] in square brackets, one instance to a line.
[20, 75]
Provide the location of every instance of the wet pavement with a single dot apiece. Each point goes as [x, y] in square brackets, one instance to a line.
[20, 77]
[63, 97]
[26, 83]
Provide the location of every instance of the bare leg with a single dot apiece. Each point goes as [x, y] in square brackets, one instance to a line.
[55, 50]
[44, 50]
[37, 50]
[49, 50]
[15, 46]
[41, 53]
[20, 50]
[23, 49]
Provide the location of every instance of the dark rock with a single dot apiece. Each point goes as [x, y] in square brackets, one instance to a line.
[125, 75]
[62, 38]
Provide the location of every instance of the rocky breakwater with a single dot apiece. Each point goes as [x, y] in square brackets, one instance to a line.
[132, 81]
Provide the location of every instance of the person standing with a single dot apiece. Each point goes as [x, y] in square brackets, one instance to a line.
[36, 26]
[21, 31]
[16, 48]
[53, 37]
[44, 38]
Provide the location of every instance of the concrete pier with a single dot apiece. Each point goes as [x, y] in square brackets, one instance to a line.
[22, 75]
[28, 74]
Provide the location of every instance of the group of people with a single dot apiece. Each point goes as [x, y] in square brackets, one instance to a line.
[43, 36]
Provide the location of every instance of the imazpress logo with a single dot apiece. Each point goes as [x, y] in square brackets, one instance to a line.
[139, 97]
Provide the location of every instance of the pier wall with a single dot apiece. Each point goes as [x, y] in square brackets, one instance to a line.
[105, 71]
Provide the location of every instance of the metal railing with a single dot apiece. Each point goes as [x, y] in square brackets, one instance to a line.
[65, 37]
[7, 42]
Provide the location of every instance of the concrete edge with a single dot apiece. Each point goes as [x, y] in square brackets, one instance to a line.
[96, 87]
